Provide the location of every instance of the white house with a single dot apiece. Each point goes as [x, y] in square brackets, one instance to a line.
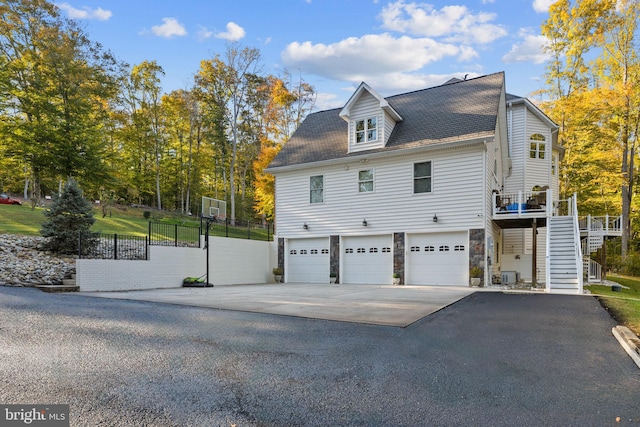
[426, 185]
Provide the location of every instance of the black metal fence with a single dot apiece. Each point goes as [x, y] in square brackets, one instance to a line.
[113, 246]
[238, 229]
[174, 235]
[120, 246]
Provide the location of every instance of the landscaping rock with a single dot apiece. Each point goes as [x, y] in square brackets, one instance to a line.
[22, 263]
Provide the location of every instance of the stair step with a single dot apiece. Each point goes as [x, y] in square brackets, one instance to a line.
[563, 286]
[58, 288]
[69, 282]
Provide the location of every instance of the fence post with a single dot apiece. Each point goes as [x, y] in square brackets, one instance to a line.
[115, 246]
[249, 230]
[226, 227]
[175, 235]
[147, 240]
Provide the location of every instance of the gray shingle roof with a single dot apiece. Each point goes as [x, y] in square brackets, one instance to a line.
[451, 112]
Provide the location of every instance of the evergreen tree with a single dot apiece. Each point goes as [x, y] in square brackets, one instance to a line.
[68, 221]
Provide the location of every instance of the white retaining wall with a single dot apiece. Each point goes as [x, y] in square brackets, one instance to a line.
[231, 261]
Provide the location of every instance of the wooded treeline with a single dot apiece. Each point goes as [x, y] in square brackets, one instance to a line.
[71, 109]
[593, 92]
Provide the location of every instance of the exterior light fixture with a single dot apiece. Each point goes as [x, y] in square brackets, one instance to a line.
[305, 226]
[364, 223]
[435, 217]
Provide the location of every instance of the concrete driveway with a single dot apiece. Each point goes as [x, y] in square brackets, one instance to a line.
[372, 304]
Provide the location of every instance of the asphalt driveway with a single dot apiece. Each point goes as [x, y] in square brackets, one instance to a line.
[489, 359]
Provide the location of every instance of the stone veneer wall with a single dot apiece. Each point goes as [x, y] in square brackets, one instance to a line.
[334, 256]
[398, 255]
[477, 252]
[281, 253]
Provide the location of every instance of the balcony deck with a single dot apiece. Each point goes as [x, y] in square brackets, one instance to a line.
[518, 210]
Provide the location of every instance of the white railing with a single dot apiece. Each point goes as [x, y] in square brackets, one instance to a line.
[573, 211]
[594, 270]
[523, 203]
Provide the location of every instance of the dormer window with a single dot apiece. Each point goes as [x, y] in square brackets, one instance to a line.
[367, 130]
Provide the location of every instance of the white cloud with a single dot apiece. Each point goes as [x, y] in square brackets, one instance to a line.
[395, 66]
[204, 33]
[453, 23]
[170, 28]
[531, 49]
[542, 6]
[85, 13]
[350, 58]
[234, 32]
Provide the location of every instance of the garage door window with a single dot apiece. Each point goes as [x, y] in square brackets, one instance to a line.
[444, 248]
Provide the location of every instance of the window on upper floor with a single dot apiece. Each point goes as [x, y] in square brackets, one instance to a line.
[316, 189]
[367, 130]
[365, 181]
[537, 146]
[422, 177]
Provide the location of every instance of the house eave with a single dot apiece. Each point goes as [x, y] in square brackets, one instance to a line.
[384, 105]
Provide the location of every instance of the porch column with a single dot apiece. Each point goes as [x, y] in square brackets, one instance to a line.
[534, 244]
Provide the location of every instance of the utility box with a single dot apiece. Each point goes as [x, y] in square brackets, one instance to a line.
[510, 277]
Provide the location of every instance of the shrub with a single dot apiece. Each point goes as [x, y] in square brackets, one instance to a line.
[68, 222]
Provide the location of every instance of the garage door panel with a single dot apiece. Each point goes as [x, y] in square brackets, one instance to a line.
[438, 259]
[308, 260]
[367, 259]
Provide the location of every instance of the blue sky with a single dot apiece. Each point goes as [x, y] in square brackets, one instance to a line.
[394, 46]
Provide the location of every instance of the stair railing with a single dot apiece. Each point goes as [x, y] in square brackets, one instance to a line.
[576, 231]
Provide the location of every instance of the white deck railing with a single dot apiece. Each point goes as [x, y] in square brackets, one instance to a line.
[606, 225]
[523, 204]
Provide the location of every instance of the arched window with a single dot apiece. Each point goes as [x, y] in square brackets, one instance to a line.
[537, 146]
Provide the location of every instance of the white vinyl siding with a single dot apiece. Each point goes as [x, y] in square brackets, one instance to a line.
[457, 196]
[515, 182]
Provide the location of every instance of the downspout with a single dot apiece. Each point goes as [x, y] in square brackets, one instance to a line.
[484, 210]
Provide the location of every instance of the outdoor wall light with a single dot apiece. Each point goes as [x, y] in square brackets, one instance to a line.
[435, 217]
[305, 226]
[364, 222]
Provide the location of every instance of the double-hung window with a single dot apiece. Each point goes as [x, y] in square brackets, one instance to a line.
[367, 130]
[422, 177]
[365, 181]
[537, 146]
[316, 189]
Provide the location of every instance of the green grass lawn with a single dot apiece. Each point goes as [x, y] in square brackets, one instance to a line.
[15, 219]
[624, 306]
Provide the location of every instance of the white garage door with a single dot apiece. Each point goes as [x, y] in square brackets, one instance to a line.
[307, 260]
[367, 259]
[438, 259]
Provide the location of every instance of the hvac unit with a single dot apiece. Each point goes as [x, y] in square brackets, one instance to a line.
[510, 277]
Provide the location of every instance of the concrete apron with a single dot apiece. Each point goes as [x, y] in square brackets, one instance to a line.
[385, 305]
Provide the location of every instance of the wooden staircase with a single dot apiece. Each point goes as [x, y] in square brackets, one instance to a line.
[565, 273]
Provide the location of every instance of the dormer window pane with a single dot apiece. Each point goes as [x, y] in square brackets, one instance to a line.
[366, 130]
